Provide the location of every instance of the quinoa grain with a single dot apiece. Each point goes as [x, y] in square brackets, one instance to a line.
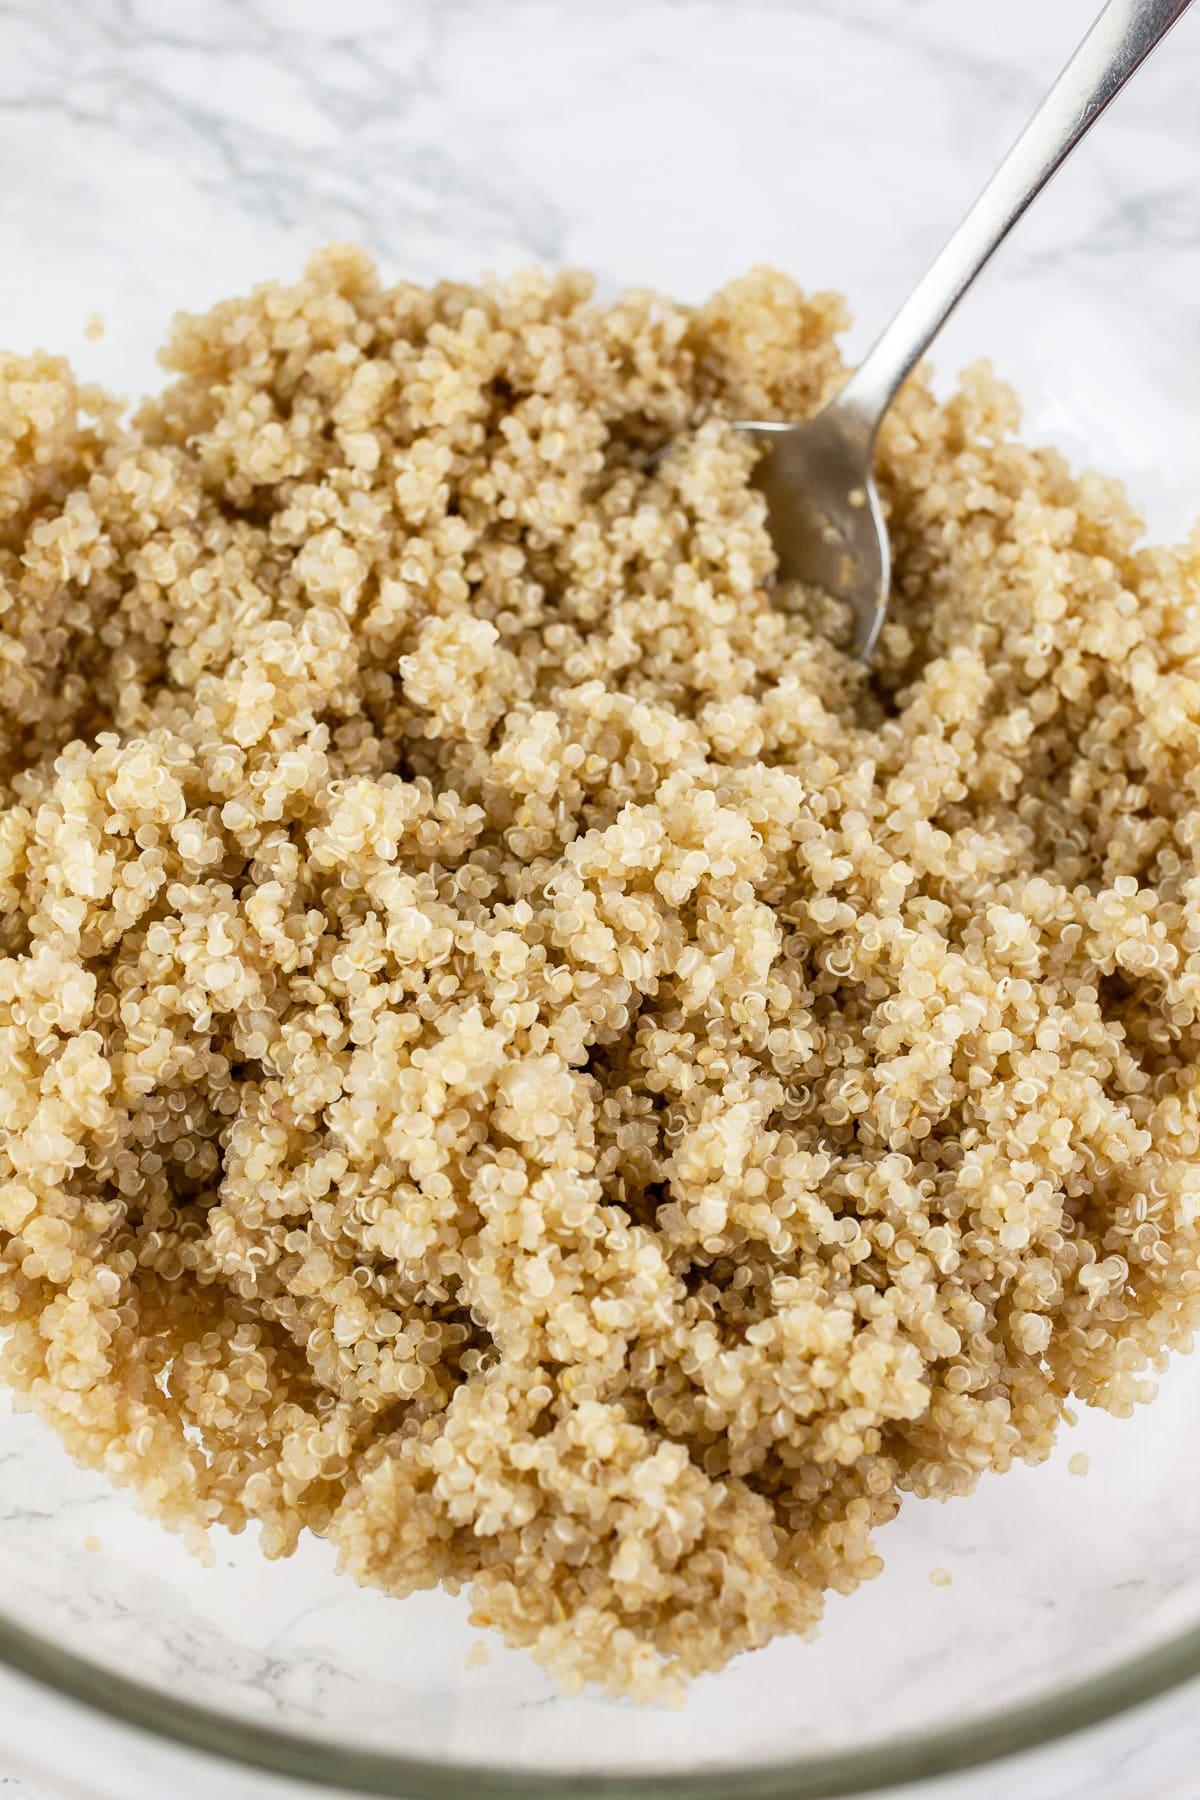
[517, 1055]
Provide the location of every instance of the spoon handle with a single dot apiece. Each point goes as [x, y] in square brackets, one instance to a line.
[1117, 44]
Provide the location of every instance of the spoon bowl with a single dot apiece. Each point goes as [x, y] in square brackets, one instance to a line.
[824, 513]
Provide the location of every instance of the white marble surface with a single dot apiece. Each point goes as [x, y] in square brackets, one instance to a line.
[161, 153]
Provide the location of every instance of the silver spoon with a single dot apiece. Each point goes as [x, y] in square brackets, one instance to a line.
[822, 505]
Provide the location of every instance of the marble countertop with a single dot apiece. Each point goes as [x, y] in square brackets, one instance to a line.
[157, 154]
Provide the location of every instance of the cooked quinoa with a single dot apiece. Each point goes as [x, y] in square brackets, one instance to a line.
[518, 1055]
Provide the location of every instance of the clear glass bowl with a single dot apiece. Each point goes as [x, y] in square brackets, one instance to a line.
[161, 157]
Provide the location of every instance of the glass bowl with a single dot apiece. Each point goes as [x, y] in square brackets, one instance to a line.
[158, 157]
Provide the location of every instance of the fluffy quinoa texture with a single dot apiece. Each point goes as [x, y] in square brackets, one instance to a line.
[516, 1054]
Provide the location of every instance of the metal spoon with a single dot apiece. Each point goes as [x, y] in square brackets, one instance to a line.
[823, 509]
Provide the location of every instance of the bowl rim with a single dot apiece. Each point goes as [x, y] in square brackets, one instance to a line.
[320, 1764]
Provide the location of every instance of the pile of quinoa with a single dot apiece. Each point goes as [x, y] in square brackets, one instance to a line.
[517, 1054]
